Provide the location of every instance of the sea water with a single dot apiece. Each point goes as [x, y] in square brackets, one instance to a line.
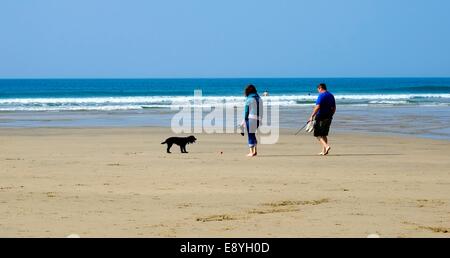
[412, 106]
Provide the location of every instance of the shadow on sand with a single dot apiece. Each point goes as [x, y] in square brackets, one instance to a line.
[333, 155]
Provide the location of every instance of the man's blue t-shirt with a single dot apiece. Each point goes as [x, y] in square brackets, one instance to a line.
[327, 105]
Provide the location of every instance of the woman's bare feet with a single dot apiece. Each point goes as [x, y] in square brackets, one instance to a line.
[327, 150]
[253, 152]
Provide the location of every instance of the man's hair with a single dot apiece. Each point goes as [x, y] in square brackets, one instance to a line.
[323, 86]
[250, 89]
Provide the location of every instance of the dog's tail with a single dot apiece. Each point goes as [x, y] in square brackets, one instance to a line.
[163, 142]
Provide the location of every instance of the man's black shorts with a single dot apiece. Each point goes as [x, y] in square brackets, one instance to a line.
[322, 127]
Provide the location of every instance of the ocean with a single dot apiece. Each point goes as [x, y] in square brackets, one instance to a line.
[121, 94]
[411, 106]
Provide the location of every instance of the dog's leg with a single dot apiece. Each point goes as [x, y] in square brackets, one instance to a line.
[169, 145]
[184, 149]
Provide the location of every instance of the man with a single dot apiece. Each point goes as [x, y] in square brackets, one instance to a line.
[323, 114]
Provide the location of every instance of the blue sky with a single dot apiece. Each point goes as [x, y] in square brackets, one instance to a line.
[233, 38]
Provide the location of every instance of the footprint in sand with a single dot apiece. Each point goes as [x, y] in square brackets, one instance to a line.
[437, 229]
[267, 208]
[223, 217]
[51, 194]
[285, 206]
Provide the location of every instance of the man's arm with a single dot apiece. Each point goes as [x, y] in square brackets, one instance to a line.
[314, 113]
[333, 109]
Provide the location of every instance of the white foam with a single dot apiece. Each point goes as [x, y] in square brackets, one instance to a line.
[170, 99]
[136, 103]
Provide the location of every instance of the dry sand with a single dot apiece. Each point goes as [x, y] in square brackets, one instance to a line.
[121, 183]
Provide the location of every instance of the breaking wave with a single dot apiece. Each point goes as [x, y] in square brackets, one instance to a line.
[149, 102]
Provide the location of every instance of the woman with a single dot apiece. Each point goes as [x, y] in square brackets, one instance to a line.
[252, 117]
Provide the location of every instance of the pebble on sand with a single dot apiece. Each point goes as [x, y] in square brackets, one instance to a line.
[73, 236]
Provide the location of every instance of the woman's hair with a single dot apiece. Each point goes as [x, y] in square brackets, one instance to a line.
[250, 89]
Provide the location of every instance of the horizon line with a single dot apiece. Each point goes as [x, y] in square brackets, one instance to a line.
[219, 78]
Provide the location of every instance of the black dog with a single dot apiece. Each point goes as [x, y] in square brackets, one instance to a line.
[180, 141]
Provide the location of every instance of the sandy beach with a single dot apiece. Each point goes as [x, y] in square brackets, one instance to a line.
[119, 182]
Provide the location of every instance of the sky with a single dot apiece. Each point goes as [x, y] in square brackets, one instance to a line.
[232, 38]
